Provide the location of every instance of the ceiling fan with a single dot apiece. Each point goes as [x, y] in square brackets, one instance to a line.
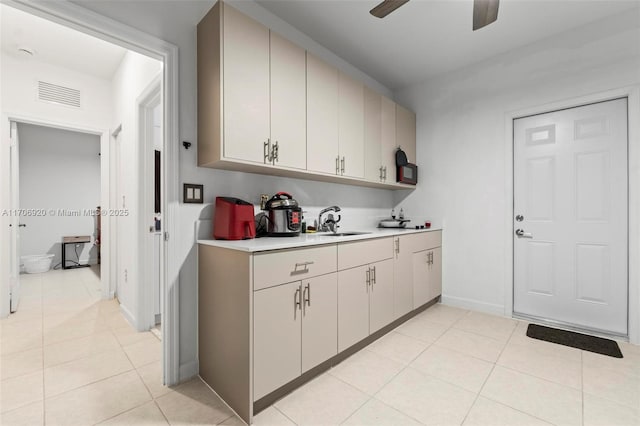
[484, 11]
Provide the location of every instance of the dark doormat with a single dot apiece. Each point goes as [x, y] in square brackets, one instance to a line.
[575, 340]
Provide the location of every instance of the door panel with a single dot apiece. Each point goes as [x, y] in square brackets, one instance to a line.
[389, 146]
[570, 186]
[353, 306]
[435, 273]
[276, 337]
[403, 275]
[14, 266]
[372, 135]
[420, 265]
[319, 320]
[288, 102]
[381, 295]
[322, 116]
[351, 125]
[246, 86]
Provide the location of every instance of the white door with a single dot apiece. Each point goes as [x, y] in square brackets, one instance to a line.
[14, 225]
[353, 306]
[570, 209]
[381, 295]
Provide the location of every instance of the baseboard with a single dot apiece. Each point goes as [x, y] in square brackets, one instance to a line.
[129, 316]
[188, 370]
[474, 305]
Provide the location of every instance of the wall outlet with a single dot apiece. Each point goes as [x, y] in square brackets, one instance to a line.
[263, 201]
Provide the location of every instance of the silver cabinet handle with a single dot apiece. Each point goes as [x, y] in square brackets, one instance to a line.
[338, 165]
[368, 277]
[373, 276]
[384, 176]
[275, 153]
[380, 175]
[398, 245]
[266, 149]
[307, 297]
[521, 234]
[304, 264]
[296, 301]
[342, 165]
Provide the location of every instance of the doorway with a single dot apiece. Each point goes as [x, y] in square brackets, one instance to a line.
[570, 221]
[111, 31]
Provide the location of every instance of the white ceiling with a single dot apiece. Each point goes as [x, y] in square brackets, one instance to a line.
[424, 38]
[58, 45]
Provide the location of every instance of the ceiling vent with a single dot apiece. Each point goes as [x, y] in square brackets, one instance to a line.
[60, 95]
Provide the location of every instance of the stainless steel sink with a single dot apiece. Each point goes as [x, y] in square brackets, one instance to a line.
[343, 234]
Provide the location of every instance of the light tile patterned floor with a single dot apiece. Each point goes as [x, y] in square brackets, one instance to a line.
[69, 358]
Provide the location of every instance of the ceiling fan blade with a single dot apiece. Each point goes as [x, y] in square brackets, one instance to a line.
[386, 7]
[484, 13]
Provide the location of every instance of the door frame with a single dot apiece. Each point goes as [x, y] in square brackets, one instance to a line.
[632, 93]
[150, 97]
[89, 22]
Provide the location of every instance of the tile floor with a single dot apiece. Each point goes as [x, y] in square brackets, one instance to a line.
[69, 358]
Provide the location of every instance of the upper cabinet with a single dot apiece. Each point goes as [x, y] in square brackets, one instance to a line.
[322, 116]
[406, 132]
[288, 103]
[245, 87]
[351, 126]
[265, 105]
[380, 137]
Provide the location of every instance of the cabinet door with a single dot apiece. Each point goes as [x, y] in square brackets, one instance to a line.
[381, 295]
[351, 126]
[319, 320]
[435, 273]
[246, 86]
[322, 116]
[388, 144]
[353, 306]
[288, 102]
[277, 339]
[402, 277]
[372, 135]
[421, 278]
[406, 132]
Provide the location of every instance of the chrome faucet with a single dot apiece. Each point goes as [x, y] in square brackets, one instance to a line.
[330, 223]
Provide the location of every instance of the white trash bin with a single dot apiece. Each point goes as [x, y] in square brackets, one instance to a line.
[37, 263]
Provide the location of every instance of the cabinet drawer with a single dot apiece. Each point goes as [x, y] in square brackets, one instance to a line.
[427, 240]
[359, 253]
[284, 266]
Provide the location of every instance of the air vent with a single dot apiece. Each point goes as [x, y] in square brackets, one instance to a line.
[61, 95]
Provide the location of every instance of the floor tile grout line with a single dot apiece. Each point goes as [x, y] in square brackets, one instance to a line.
[89, 384]
[489, 375]
[155, 401]
[282, 412]
[123, 412]
[516, 409]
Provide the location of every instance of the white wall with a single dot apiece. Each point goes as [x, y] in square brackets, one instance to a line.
[175, 22]
[59, 170]
[135, 74]
[20, 78]
[462, 146]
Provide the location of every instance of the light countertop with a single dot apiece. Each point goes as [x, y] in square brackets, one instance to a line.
[307, 240]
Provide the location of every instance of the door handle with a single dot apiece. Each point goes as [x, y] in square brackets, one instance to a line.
[296, 302]
[373, 276]
[307, 295]
[22, 225]
[338, 165]
[384, 176]
[342, 165]
[521, 234]
[275, 153]
[268, 153]
[368, 277]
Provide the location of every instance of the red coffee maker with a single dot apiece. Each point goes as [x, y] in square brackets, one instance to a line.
[233, 219]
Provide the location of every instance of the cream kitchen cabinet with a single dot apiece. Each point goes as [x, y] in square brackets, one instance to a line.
[403, 274]
[288, 78]
[335, 120]
[350, 126]
[265, 105]
[406, 132]
[322, 116]
[294, 330]
[427, 275]
[365, 289]
[380, 137]
[251, 101]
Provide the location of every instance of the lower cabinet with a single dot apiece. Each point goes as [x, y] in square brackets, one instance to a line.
[365, 301]
[427, 275]
[294, 330]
